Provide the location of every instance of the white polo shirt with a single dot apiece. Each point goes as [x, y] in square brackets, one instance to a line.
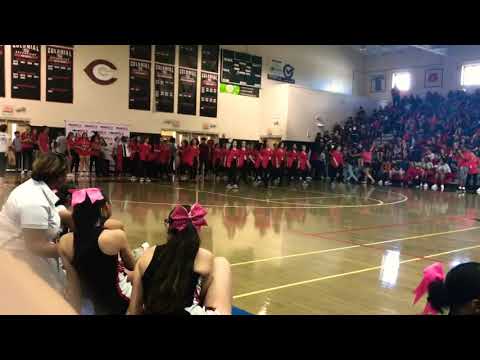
[30, 205]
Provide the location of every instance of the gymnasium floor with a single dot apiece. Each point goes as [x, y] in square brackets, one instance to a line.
[342, 250]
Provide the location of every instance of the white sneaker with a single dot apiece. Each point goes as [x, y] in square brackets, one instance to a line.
[148, 180]
[425, 186]
[381, 183]
[229, 187]
[442, 188]
[142, 180]
[235, 186]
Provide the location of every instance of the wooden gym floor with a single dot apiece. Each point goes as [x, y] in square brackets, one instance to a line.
[342, 250]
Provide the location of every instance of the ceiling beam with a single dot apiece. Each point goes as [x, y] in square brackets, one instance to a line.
[438, 51]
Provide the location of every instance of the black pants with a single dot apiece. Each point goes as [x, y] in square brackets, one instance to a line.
[233, 174]
[278, 174]
[472, 181]
[105, 167]
[75, 161]
[334, 172]
[94, 161]
[27, 156]
[18, 160]
[322, 169]
[204, 166]
[292, 173]
[267, 173]
[3, 163]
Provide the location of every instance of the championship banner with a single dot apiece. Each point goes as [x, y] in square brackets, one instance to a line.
[139, 86]
[108, 131]
[187, 92]
[26, 71]
[208, 94]
[59, 74]
[164, 87]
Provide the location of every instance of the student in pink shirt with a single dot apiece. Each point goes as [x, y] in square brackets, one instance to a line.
[44, 140]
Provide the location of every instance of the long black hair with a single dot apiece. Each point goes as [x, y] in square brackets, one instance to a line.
[172, 278]
[461, 285]
[89, 221]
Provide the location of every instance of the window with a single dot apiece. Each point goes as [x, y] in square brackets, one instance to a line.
[470, 74]
[401, 80]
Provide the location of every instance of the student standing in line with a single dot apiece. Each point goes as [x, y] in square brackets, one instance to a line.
[304, 166]
[144, 156]
[267, 163]
[4, 140]
[43, 140]
[196, 158]
[233, 164]
[292, 163]
[95, 152]
[279, 163]
[83, 149]
[27, 149]
[204, 155]
[133, 147]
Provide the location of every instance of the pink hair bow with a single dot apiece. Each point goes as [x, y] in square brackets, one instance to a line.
[430, 274]
[78, 196]
[181, 217]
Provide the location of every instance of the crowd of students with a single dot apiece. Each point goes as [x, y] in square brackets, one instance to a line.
[424, 142]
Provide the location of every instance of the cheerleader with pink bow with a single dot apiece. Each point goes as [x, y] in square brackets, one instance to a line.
[458, 292]
[180, 277]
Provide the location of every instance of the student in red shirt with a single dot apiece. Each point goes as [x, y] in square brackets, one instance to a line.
[204, 149]
[27, 148]
[73, 154]
[164, 158]
[82, 147]
[195, 153]
[292, 163]
[155, 158]
[279, 162]
[44, 140]
[134, 161]
[267, 163]
[256, 158]
[122, 158]
[367, 156]
[144, 151]
[234, 162]
[304, 165]
[95, 150]
[472, 163]
[186, 160]
[336, 162]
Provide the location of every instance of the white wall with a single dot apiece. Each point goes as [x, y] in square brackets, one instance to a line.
[416, 61]
[305, 104]
[317, 67]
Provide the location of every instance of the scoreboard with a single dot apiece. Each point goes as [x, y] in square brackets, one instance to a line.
[241, 69]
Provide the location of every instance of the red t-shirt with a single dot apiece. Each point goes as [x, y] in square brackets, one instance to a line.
[302, 160]
[235, 154]
[279, 157]
[134, 147]
[367, 157]
[43, 142]
[267, 155]
[188, 155]
[292, 156]
[145, 150]
[27, 141]
[83, 147]
[338, 156]
[165, 154]
[217, 155]
[95, 148]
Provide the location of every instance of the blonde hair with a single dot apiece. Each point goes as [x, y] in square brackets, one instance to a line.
[49, 166]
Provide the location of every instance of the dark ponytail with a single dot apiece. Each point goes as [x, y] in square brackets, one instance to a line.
[173, 275]
[88, 221]
[438, 296]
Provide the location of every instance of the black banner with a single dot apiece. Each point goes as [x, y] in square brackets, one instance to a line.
[143, 52]
[139, 86]
[164, 87]
[2, 70]
[189, 56]
[210, 58]
[187, 91]
[26, 71]
[165, 54]
[208, 94]
[59, 74]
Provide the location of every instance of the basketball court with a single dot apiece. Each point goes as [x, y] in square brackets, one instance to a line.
[342, 250]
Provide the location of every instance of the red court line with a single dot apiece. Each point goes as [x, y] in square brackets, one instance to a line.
[372, 227]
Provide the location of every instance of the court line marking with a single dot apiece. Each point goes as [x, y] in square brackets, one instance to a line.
[347, 273]
[355, 246]
[380, 202]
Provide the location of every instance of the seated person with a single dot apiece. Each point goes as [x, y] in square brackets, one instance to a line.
[441, 171]
[91, 256]
[397, 173]
[180, 277]
[458, 292]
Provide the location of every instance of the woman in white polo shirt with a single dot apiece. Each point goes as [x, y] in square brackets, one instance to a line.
[30, 222]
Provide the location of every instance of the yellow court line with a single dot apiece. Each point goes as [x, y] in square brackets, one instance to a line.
[355, 246]
[346, 273]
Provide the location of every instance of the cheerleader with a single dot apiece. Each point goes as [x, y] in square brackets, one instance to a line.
[83, 150]
[267, 164]
[195, 150]
[155, 158]
[292, 163]
[133, 147]
[279, 160]
[144, 156]
[234, 162]
[216, 160]
[303, 165]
